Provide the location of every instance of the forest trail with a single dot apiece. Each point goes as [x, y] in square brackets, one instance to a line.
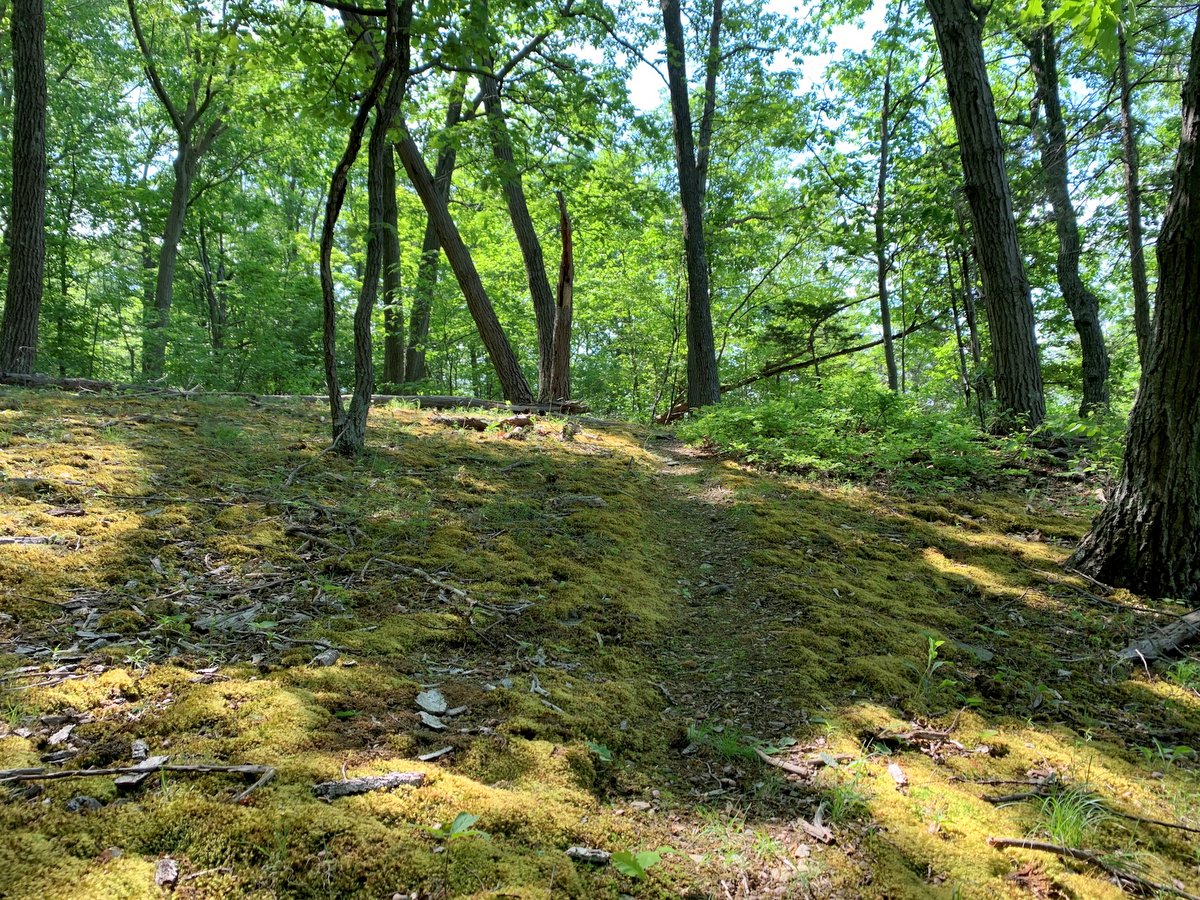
[622, 626]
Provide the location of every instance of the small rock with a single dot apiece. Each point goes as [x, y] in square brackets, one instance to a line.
[640, 805]
[328, 658]
[166, 873]
[432, 701]
[139, 750]
[61, 736]
[83, 803]
[432, 721]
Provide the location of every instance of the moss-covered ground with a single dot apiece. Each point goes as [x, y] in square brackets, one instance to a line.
[616, 663]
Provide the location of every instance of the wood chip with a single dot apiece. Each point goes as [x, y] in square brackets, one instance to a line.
[816, 830]
[897, 774]
[435, 754]
[432, 701]
[61, 736]
[131, 780]
[589, 855]
[332, 790]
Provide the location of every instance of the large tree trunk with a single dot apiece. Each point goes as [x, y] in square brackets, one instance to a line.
[1018, 373]
[1147, 538]
[560, 370]
[526, 234]
[882, 263]
[508, 370]
[1083, 304]
[27, 228]
[427, 268]
[1133, 203]
[393, 312]
[704, 386]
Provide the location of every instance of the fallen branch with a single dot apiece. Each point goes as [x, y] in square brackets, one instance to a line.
[28, 539]
[332, 790]
[471, 423]
[1181, 631]
[265, 773]
[1124, 879]
[798, 770]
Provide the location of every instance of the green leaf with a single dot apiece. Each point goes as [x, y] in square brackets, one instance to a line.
[627, 863]
[600, 750]
[462, 822]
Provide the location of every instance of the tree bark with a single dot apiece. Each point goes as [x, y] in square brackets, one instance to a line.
[1018, 372]
[523, 228]
[393, 312]
[427, 268]
[1083, 304]
[704, 386]
[27, 228]
[508, 370]
[1133, 202]
[1147, 539]
[882, 263]
[560, 369]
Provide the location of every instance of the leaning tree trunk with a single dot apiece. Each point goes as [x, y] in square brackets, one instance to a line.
[393, 312]
[508, 370]
[704, 385]
[1018, 373]
[560, 370]
[1083, 304]
[27, 227]
[427, 268]
[1133, 203]
[526, 234]
[1147, 538]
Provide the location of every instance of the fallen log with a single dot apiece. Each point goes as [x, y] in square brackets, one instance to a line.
[332, 790]
[1164, 640]
[1124, 879]
[264, 773]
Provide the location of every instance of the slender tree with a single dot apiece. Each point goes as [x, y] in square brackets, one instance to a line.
[703, 381]
[1148, 536]
[27, 228]
[1017, 369]
[1081, 301]
[1133, 201]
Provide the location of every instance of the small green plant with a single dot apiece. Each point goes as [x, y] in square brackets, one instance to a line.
[929, 684]
[1071, 815]
[601, 751]
[1163, 753]
[462, 826]
[846, 799]
[1186, 674]
[726, 742]
[637, 865]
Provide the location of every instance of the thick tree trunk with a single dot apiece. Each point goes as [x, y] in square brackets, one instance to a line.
[526, 234]
[704, 386]
[508, 370]
[1147, 538]
[427, 268]
[1083, 304]
[393, 312]
[560, 369]
[27, 228]
[1018, 372]
[882, 263]
[1133, 203]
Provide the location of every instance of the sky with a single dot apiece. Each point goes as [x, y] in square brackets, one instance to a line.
[647, 90]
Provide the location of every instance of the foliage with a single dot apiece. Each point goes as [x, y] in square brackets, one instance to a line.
[637, 865]
[854, 429]
[1071, 815]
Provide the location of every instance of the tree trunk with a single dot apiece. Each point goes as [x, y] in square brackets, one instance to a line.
[560, 370]
[1133, 203]
[27, 227]
[1018, 372]
[1147, 539]
[393, 312]
[154, 342]
[704, 386]
[508, 370]
[882, 264]
[214, 291]
[526, 234]
[427, 269]
[1083, 304]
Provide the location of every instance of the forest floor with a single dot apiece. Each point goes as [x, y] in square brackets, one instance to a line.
[594, 642]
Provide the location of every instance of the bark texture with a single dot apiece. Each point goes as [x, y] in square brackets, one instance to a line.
[703, 382]
[1017, 369]
[1147, 538]
[1083, 304]
[27, 227]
